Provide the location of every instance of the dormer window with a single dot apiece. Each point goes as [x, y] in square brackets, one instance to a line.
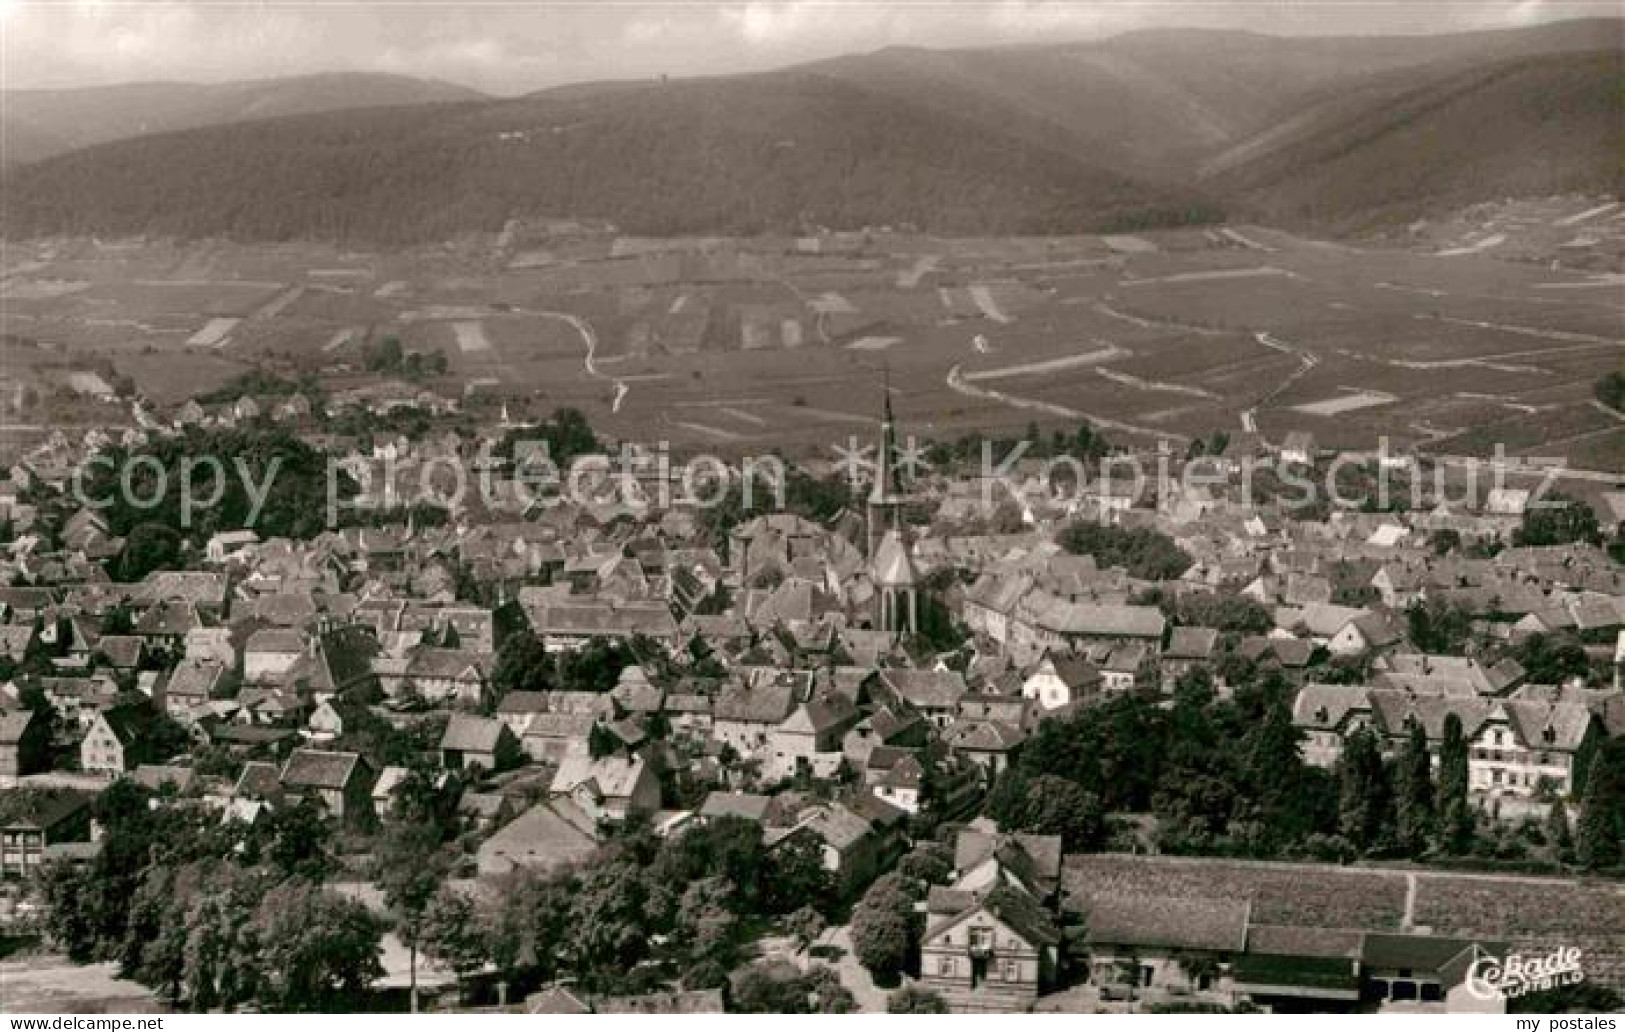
[1549, 735]
[1321, 715]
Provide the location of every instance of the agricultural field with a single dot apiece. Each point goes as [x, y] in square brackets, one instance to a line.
[1429, 341]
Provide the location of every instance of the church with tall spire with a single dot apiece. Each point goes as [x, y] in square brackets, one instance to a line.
[891, 561]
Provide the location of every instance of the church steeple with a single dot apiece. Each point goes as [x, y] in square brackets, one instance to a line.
[891, 567]
[888, 485]
[886, 493]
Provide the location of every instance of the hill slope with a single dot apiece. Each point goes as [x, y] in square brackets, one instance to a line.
[38, 124]
[1143, 129]
[741, 155]
[1406, 145]
[1157, 102]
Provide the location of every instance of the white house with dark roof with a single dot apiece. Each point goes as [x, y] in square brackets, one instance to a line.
[270, 653]
[1061, 680]
[745, 716]
[990, 744]
[1163, 946]
[991, 952]
[934, 694]
[1518, 747]
[810, 738]
[990, 944]
[610, 788]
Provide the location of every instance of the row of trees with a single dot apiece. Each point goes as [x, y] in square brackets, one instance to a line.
[386, 356]
[1558, 520]
[1228, 777]
[216, 935]
[215, 916]
[1145, 553]
[564, 437]
[145, 492]
[257, 383]
[643, 914]
[524, 664]
[1222, 611]
[1085, 444]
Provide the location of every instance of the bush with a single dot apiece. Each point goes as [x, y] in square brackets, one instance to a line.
[886, 928]
[1146, 554]
[911, 999]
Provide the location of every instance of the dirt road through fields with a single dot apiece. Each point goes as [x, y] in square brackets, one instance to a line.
[1249, 418]
[590, 339]
[956, 382]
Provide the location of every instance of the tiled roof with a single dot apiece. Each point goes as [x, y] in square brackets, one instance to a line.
[523, 702]
[1420, 953]
[1218, 925]
[275, 639]
[926, 689]
[736, 804]
[1093, 620]
[615, 777]
[40, 807]
[315, 768]
[1323, 707]
[13, 724]
[840, 827]
[154, 776]
[1191, 643]
[169, 617]
[194, 679]
[1299, 941]
[768, 704]
[984, 736]
[893, 566]
[468, 733]
[193, 586]
[553, 832]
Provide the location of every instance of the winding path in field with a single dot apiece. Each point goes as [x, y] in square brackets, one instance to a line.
[590, 338]
[1154, 324]
[1545, 333]
[957, 383]
[1308, 360]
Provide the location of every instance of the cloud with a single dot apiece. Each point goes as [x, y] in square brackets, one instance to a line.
[822, 26]
[516, 47]
[769, 23]
[1526, 12]
[1029, 19]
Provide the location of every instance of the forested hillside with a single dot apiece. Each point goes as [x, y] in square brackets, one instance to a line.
[778, 152]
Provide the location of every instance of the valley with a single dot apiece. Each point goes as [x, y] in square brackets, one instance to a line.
[755, 342]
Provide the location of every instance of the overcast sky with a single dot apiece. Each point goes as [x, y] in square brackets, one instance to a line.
[512, 46]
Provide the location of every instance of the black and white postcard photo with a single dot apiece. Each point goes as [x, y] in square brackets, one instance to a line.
[531, 509]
